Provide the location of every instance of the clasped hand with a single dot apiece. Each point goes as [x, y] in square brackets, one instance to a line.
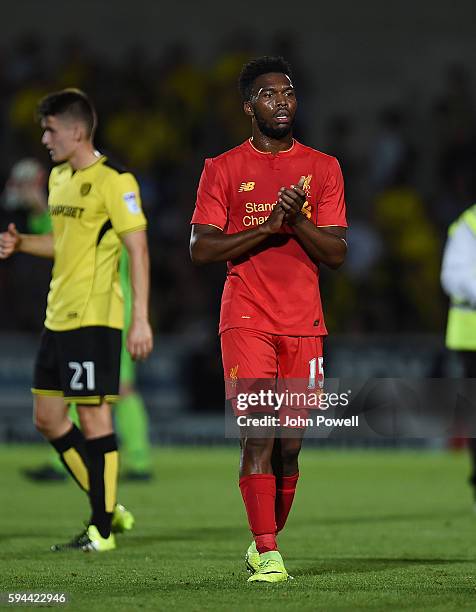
[291, 200]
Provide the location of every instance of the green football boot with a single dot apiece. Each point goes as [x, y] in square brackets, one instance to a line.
[96, 543]
[122, 519]
[88, 540]
[270, 569]
[252, 558]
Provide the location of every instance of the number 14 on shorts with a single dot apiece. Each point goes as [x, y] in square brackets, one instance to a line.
[77, 378]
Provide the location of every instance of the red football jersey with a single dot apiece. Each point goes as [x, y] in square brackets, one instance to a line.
[275, 287]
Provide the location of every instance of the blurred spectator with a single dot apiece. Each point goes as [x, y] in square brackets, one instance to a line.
[410, 265]
[391, 154]
[455, 129]
[24, 199]
[228, 127]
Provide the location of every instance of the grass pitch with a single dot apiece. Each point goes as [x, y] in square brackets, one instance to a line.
[369, 531]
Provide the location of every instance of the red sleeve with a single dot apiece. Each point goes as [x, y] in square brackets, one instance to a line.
[211, 207]
[331, 205]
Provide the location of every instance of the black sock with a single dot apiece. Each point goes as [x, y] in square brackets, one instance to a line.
[103, 470]
[71, 448]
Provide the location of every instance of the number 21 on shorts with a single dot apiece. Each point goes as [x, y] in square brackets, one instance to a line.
[78, 368]
[316, 372]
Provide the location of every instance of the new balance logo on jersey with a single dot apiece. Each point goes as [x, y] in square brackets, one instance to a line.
[246, 186]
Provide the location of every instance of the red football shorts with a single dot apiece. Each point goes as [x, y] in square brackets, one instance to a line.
[290, 367]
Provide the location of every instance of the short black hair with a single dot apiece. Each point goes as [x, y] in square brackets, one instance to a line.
[72, 102]
[258, 66]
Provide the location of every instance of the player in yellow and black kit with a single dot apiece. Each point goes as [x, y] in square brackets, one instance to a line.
[95, 207]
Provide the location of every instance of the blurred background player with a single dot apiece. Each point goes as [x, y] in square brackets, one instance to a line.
[95, 208]
[24, 202]
[458, 278]
[274, 210]
[130, 414]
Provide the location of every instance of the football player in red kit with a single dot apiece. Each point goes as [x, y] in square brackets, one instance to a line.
[274, 210]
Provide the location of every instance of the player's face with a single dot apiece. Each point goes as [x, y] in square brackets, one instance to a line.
[273, 104]
[60, 137]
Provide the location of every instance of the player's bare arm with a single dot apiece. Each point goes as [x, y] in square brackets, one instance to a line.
[12, 241]
[139, 338]
[323, 245]
[209, 244]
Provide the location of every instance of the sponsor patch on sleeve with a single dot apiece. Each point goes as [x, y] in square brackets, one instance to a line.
[130, 198]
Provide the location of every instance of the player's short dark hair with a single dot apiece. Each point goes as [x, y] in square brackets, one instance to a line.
[258, 66]
[72, 102]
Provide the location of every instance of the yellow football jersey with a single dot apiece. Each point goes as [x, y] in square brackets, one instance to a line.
[90, 210]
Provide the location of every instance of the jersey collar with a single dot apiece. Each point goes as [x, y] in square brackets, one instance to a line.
[101, 159]
[286, 152]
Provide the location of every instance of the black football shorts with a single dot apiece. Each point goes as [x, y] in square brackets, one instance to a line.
[81, 365]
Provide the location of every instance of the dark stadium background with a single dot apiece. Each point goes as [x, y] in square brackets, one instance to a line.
[389, 90]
